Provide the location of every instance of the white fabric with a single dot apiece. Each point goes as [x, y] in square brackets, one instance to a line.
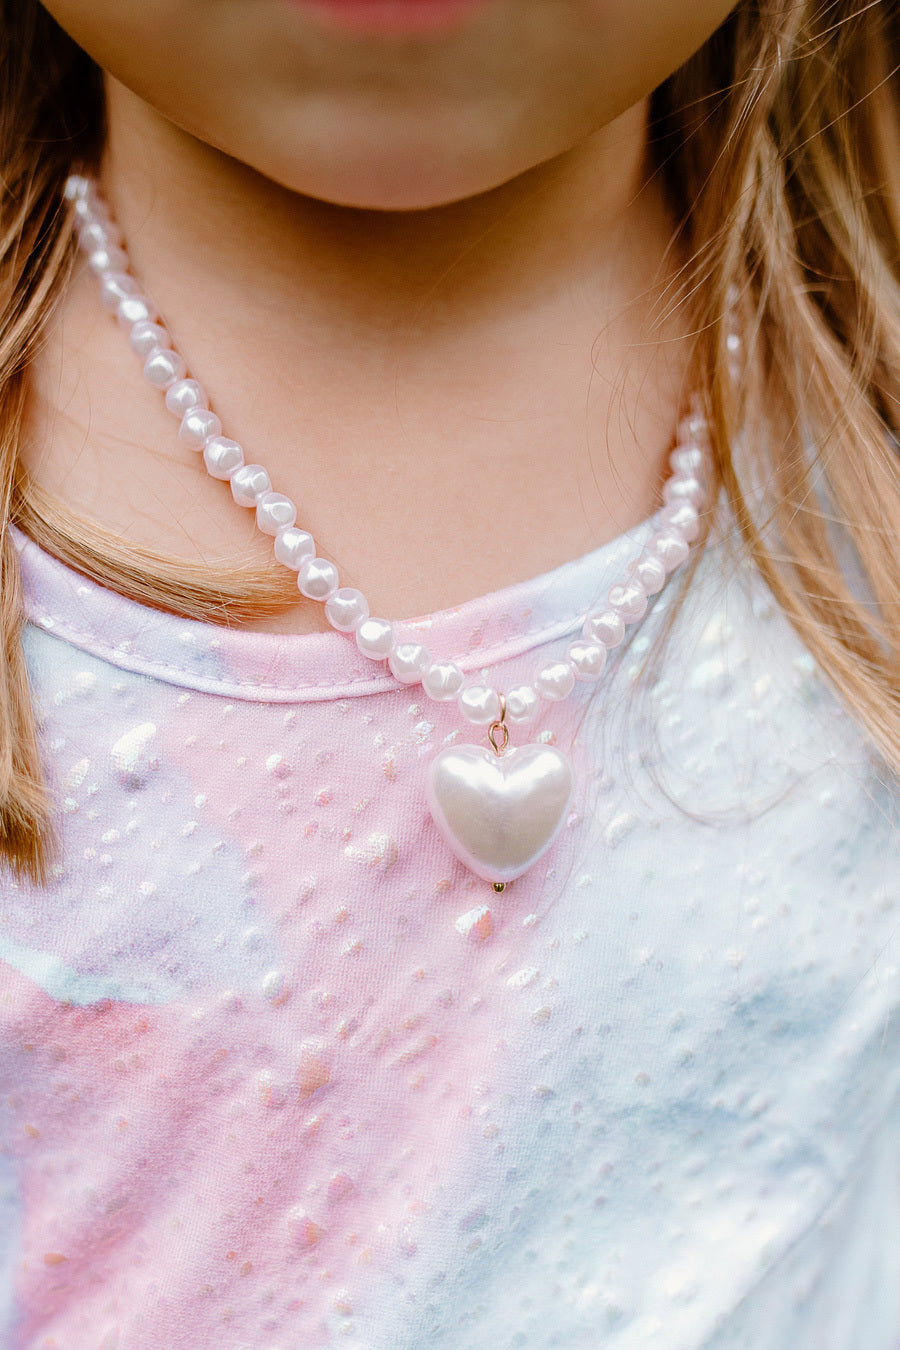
[653, 1100]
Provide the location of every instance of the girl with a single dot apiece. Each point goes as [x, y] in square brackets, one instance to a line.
[558, 323]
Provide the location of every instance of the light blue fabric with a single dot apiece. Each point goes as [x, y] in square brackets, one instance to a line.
[665, 1090]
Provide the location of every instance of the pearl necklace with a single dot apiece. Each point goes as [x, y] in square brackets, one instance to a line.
[499, 808]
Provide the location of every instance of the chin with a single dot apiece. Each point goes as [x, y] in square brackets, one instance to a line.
[399, 195]
[399, 174]
[403, 187]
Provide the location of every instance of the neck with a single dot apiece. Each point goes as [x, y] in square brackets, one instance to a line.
[390, 369]
[195, 216]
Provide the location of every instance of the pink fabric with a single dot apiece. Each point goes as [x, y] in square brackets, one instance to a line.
[277, 1071]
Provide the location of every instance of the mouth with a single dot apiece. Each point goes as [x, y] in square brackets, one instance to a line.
[392, 18]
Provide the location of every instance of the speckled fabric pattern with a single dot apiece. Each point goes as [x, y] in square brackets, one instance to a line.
[277, 1072]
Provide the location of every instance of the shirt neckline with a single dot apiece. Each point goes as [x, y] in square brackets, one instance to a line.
[277, 667]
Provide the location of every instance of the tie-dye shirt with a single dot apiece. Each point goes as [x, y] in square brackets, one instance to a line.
[277, 1072]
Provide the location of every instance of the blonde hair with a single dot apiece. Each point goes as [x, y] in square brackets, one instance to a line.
[779, 147]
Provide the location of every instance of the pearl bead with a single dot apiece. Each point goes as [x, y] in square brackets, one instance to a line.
[693, 430]
[87, 209]
[76, 185]
[100, 222]
[649, 573]
[222, 457]
[681, 517]
[683, 490]
[90, 199]
[587, 660]
[145, 337]
[442, 681]
[687, 460]
[184, 395]
[114, 287]
[249, 484]
[107, 259]
[95, 235]
[294, 547]
[274, 512]
[555, 681]
[670, 548]
[409, 661]
[317, 579]
[375, 638]
[346, 609]
[133, 308]
[630, 600]
[606, 627]
[522, 703]
[479, 704]
[163, 367]
[197, 426]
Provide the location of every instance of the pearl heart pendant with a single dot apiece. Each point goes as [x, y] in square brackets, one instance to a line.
[499, 812]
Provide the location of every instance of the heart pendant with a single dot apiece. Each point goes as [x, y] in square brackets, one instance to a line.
[499, 812]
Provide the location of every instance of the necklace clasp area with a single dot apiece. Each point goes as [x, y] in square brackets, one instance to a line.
[498, 731]
[498, 735]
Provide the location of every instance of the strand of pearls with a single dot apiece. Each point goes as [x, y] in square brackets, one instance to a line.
[347, 610]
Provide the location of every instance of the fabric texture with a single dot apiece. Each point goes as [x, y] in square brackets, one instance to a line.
[277, 1072]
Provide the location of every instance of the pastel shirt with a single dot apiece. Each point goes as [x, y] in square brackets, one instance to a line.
[276, 1071]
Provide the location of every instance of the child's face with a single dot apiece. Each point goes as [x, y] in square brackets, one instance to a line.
[310, 94]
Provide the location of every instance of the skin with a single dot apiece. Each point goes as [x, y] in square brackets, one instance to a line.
[423, 279]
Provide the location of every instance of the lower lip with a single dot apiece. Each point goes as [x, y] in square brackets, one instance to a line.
[398, 18]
